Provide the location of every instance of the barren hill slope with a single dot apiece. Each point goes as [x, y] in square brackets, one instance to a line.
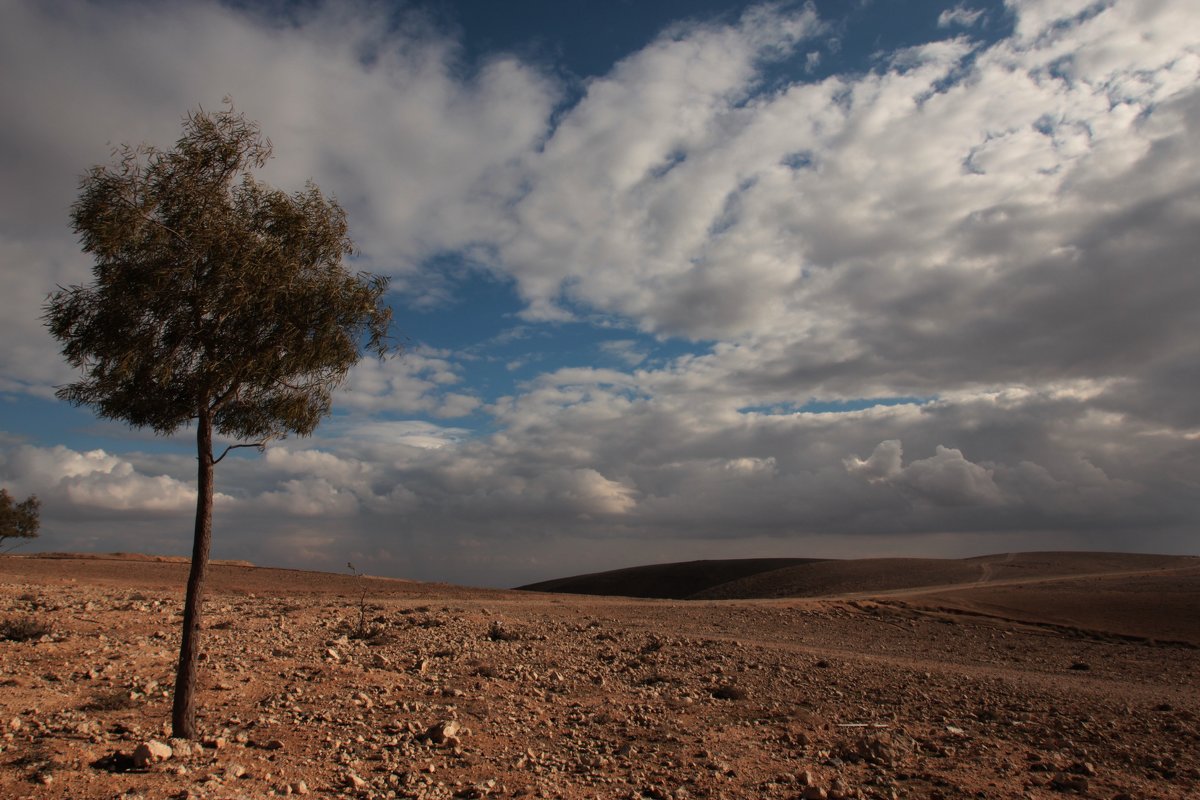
[746, 579]
[994, 689]
[665, 581]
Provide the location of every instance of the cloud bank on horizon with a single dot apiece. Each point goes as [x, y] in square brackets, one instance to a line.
[722, 298]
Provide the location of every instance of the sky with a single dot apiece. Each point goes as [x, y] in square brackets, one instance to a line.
[675, 280]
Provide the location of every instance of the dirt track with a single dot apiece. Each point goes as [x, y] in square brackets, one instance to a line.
[995, 691]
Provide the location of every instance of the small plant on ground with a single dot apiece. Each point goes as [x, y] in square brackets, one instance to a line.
[23, 629]
[485, 671]
[372, 632]
[499, 633]
[729, 692]
[656, 678]
[116, 700]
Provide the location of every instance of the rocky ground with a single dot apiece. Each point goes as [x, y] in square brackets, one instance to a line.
[335, 686]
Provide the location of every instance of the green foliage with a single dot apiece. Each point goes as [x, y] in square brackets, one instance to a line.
[19, 520]
[214, 294]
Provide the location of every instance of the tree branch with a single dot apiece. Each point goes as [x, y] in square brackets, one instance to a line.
[137, 209]
[260, 445]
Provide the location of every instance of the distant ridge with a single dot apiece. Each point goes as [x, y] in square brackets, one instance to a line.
[764, 578]
[676, 581]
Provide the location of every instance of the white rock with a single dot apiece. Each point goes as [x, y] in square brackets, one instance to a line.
[442, 731]
[151, 752]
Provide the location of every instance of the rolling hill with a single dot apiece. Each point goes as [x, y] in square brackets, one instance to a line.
[742, 579]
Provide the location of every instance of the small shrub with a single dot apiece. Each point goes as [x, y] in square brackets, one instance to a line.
[365, 631]
[655, 679]
[729, 692]
[23, 629]
[117, 700]
[485, 671]
[499, 633]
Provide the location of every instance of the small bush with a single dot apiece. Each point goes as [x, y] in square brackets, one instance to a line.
[22, 629]
[728, 692]
[655, 679]
[365, 631]
[499, 633]
[117, 700]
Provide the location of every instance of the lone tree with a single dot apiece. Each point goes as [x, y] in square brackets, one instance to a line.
[216, 300]
[18, 520]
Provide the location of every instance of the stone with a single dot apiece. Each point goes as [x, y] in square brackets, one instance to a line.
[355, 782]
[443, 731]
[150, 752]
[814, 793]
[181, 748]
[1070, 783]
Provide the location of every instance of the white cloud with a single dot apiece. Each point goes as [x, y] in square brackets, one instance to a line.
[1010, 229]
[420, 153]
[624, 350]
[959, 15]
[92, 479]
[883, 465]
[945, 479]
[414, 382]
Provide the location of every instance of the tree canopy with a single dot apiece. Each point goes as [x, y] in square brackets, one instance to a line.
[19, 520]
[212, 290]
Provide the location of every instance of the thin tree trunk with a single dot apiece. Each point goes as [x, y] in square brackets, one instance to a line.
[183, 714]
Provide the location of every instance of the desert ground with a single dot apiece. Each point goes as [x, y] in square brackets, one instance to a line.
[1067, 677]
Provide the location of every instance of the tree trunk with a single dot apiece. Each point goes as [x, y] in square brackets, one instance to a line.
[183, 714]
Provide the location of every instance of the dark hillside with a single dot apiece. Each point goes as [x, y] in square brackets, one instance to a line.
[666, 581]
[846, 577]
[763, 578]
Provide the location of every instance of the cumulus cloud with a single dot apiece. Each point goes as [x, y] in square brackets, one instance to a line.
[949, 219]
[379, 112]
[945, 479]
[417, 381]
[1007, 229]
[624, 350]
[92, 479]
